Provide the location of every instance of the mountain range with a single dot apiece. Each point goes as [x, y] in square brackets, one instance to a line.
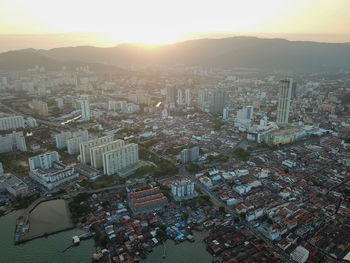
[233, 52]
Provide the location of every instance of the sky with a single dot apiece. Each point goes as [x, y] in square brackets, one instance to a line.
[107, 22]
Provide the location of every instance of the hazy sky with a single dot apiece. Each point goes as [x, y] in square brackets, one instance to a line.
[163, 21]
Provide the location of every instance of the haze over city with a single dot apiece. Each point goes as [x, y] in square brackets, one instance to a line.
[49, 24]
[174, 131]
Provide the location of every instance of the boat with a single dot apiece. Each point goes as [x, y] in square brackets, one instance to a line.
[75, 240]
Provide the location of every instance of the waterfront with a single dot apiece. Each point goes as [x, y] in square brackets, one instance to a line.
[43, 250]
[49, 217]
[185, 252]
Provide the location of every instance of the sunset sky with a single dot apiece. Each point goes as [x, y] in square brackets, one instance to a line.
[162, 21]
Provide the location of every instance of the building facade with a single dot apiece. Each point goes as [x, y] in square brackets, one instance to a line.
[187, 97]
[96, 153]
[217, 101]
[12, 142]
[190, 155]
[14, 185]
[47, 170]
[85, 110]
[11, 123]
[284, 98]
[182, 189]
[86, 146]
[120, 159]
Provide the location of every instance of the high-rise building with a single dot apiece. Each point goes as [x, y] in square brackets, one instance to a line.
[120, 159]
[11, 123]
[85, 109]
[61, 139]
[182, 189]
[202, 99]
[117, 105]
[96, 153]
[40, 107]
[12, 142]
[179, 97]
[190, 155]
[47, 170]
[187, 97]
[225, 114]
[217, 101]
[86, 146]
[294, 90]
[43, 161]
[76, 81]
[71, 140]
[284, 98]
[170, 94]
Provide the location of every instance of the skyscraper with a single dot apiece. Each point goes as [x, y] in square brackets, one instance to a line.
[85, 109]
[202, 98]
[284, 97]
[179, 97]
[170, 94]
[187, 97]
[217, 101]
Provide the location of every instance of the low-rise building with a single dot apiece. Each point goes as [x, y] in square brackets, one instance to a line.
[147, 201]
[300, 254]
[13, 185]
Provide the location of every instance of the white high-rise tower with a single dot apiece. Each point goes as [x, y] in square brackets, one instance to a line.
[85, 109]
[284, 98]
[179, 97]
[187, 97]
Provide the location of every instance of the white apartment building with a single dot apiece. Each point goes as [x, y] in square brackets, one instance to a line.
[117, 105]
[86, 146]
[182, 189]
[74, 142]
[121, 158]
[12, 142]
[43, 161]
[61, 139]
[284, 99]
[97, 152]
[47, 170]
[11, 123]
[85, 110]
[179, 97]
[64, 138]
[187, 97]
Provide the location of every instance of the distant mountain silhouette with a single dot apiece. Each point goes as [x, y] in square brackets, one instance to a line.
[234, 52]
